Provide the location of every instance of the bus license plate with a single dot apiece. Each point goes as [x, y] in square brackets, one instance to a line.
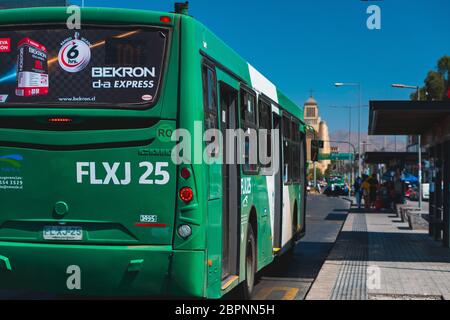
[63, 233]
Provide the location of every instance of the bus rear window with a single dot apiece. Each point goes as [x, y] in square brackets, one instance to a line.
[88, 67]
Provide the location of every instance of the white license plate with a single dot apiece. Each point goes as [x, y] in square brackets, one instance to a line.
[63, 233]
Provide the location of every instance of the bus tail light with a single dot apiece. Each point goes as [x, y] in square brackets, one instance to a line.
[165, 19]
[185, 173]
[186, 194]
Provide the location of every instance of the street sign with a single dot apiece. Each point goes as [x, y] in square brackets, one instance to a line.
[336, 156]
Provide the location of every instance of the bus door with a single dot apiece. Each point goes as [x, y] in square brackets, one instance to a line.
[231, 184]
[303, 182]
[278, 184]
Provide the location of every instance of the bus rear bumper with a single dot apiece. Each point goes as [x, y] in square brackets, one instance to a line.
[59, 270]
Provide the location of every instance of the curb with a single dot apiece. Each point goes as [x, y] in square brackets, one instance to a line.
[348, 199]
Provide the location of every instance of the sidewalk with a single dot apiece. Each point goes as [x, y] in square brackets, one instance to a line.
[378, 257]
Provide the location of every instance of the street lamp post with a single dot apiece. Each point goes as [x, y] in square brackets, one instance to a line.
[342, 84]
[352, 176]
[419, 140]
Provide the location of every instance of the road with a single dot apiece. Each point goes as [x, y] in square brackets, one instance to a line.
[290, 278]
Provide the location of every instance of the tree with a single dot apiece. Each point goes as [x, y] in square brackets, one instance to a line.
[435, 86]
[444, 66]
[444, 71]
[423, 94]
[319, 175]
[436, 83]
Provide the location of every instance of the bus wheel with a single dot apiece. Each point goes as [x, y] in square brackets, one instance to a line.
[247, 287]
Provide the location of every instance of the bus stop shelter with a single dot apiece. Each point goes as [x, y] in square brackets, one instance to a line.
[391, 158]
[431, 120]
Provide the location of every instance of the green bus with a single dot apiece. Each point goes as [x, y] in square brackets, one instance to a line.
[91, 203]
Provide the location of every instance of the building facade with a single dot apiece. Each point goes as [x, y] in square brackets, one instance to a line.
[312, 118]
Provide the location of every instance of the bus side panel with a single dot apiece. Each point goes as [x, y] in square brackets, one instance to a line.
[214, 230]
[298, 189]
[260, 201]
[288, 205]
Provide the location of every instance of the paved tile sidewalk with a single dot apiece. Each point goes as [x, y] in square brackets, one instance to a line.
[378, 257]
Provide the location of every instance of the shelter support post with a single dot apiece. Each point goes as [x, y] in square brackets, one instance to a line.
[446, 195]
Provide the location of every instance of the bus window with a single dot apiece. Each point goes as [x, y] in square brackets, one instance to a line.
[210, 97]
[248, 121]
[302, 157]
[287, 150]
[95, 66]
[248, 109]
[265, 122]
[295, 151]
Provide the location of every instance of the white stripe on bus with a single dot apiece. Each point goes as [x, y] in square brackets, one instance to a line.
[262, 84]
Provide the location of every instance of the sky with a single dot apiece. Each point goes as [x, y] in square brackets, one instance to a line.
[303, 45]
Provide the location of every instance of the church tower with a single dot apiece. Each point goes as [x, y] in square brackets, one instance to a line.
[311, 116]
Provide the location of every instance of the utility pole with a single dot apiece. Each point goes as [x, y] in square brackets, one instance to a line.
[358, 85]
[352, 173]
[315, 175]
[419, 142]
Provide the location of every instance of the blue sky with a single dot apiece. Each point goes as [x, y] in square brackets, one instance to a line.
[303, 45]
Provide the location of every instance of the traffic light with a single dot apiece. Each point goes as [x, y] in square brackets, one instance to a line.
[316, 145]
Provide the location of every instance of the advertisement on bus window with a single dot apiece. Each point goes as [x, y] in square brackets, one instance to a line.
[93, 66]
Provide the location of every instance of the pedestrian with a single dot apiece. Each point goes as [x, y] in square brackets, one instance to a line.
[399, 189]
[392, 196]
[358, 191]
[373, 182]
[365, 186]
[385, 195]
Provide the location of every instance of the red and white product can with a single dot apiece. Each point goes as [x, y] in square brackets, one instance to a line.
[32, 69]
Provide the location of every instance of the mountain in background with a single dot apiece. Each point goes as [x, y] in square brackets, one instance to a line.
[374, 143]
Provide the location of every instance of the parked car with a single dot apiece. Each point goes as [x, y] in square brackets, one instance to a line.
[336, 190]
[413, 192]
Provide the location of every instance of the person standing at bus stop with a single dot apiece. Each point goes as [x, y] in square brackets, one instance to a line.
[365, 187]
[358, 191]
[373, 182]
[399, 189]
